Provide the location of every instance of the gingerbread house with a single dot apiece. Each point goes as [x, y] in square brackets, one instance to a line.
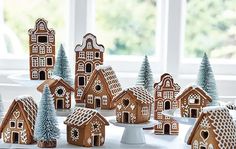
[19, 121]
[61, 92]
[133, 105]
[214, 129]
[86, 127]
[164, 94]
[192, 100]
[102, 87]
[41, 50]
[89, 55]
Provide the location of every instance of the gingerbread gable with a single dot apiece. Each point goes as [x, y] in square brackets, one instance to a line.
[162, 83]
[82, 116]
[27, 107]
[198, 89]
[222, 124]
[54, 80]
[81, 47]
[109, 77]
[41, 26]
[141, 95]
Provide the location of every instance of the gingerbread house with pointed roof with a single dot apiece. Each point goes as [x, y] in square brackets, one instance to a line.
[214, 129]
[102, 87]
[133, 105]
[86, 127]
[89, 55]
[19, 121]
[165, 92]
[41, 50]
[192, 100]
[60, 90]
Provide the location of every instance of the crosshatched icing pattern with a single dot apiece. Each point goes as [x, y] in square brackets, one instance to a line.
[142, 94]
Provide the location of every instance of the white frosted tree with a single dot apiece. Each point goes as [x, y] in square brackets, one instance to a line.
[145, 77]
[61, 67]
[206, 79]
[46, 130]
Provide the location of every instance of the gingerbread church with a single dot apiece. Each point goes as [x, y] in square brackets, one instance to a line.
[164, 94]
[41, 50]
[102, 87]
[89, 55]
[214, 129]
[192, 100]
[86, 127]
[18, 123]
[60, 90]
[133, 105]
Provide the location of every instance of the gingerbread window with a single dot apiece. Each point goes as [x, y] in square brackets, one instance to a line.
[34, 74]
[89, 45]
[167, 83]
[49, 73]
[79, 92]
[88, 67]
[81, 81]
[81, 55]
[60, 91]
[104, 100]
[41, 49]
[42, 61]
[89, 55]
[194, 99]
[174, 126]
[35, 61]
[49, 61]
[81, 67]
[97, 55]
[49, 49]
[74, 134]
[195, 144]
[144, 111]
[35, 49]
[20, 125]
[90, 99]
[12, 124]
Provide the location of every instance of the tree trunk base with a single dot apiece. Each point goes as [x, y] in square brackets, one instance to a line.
[47, 144]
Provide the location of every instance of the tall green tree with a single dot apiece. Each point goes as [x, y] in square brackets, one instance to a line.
[46, 129]
[206, 79]
[145, 77]
[62, 68]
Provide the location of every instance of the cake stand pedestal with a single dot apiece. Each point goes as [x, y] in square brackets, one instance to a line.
[133, 133]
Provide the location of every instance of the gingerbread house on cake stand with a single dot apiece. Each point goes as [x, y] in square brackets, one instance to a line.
[89, 55]
[41, 50]
[19, 121]
[192, 100]
[214, 129]
[165, 92]
[86, 127]
[133, 111]
[101, 88]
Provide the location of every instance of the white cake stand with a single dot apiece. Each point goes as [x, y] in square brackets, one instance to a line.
[133, 133]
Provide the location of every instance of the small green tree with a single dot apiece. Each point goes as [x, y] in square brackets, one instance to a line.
[206, 79]
[46, 129]
[61, 67]
[145, 77]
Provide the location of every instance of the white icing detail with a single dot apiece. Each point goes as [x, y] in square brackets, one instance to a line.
[119, 106]
[142, 94]
[132, 106]
[74, 134]
[89, 141]
[16, 114]
[23, 136]
[6, 136]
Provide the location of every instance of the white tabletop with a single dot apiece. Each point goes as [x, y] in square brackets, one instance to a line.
[113, 137]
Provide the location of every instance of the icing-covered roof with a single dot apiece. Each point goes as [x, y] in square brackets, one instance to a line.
[81, 116]
[30, 110]
[222, 124]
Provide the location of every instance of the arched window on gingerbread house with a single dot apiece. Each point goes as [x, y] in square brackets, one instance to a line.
[89, 45]
[35, 74]
[167, 83]
[35, 49]
[167, 105]
[81, 66]
[88, 67]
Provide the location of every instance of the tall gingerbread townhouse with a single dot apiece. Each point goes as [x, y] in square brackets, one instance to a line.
[89, 54]
[165, 92]
[41, 50]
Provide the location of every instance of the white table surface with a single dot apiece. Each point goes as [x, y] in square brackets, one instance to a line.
[113, 137]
